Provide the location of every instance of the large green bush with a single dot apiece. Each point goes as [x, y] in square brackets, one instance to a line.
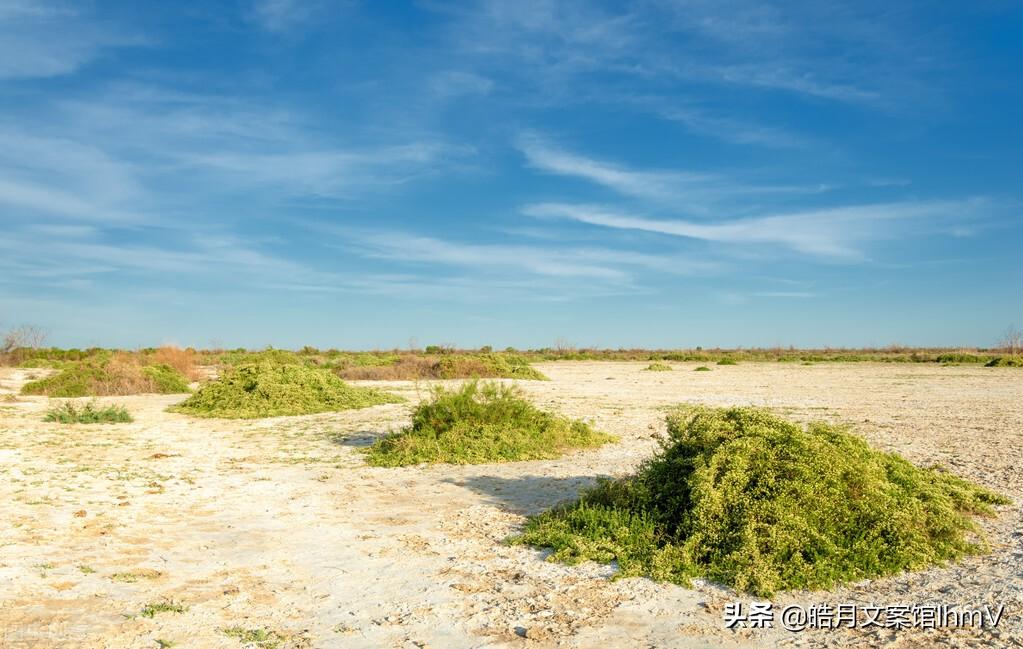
[269, 389]
[762, 504]
[480, 423]
[117, 376]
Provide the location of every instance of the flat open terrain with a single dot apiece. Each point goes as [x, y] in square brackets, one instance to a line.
[278, 526]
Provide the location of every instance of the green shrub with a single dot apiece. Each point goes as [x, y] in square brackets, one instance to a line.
[960, 357]
[107, 377]
[744, 498]
[445, 366]
[480, 423]
[1005, 361]
[702, 368]
[166, 379]
[90, 413]
[658, 367]
[77, 381]
[269, 389]
[728, 361]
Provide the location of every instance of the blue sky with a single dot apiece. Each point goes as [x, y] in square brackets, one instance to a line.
[657, 174]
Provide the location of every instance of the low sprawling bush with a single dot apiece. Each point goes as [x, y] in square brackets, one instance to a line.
[480, 423]
[658, 367]
[70, 412]
[745, 498]
[701, 368]
[1005, 361]
[269, 389]
[120, 374]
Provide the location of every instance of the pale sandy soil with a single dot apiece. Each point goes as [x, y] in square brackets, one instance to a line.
[279, 525]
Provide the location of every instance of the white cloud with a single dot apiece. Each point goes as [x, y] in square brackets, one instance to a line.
[48, 39]
[281, 15]
[655, 185]
[62, 177]
[703, 122]
[692, 192]
[836, 232]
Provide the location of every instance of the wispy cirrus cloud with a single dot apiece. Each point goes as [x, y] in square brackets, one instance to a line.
[836, 232]
[64, 177]
[730, 129]
[281, 16]
[40, 39]
[745, 44]
[654, 185]
[693, 192]
[612, 265]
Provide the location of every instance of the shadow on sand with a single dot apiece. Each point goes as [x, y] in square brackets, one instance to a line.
[528, 494]
[357, 438]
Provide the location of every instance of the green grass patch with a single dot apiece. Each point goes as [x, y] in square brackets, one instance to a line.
[269, 389]
[70, 412]
[480, 423]
[728, 361]
[166, 606]
[658, 367]
[745, 498]
[702, 368]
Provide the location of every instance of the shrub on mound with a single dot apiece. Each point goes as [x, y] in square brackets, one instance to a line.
[744, 498]
[270, 389]
[658, 367]
[116, 376]
[480, 423]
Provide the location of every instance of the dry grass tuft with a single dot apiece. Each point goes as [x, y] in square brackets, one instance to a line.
[184, 361]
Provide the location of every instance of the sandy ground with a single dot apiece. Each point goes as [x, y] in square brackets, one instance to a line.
[278, 525]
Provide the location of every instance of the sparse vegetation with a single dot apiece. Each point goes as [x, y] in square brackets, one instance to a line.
[70, 412]
[270, 389]
[1012, 341]
[480, 423]
[259, 638]
[745, 498]
[728, 361]
[166, 606]
[658, 367]
[701, 368]
[15, 343]
[133, 576]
